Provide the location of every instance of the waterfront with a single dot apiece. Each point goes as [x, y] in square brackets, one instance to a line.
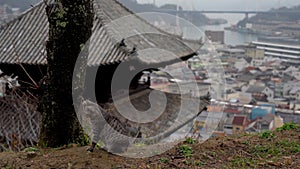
[231, 37]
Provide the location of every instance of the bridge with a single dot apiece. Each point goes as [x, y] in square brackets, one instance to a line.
[175, 12]
[228, 11]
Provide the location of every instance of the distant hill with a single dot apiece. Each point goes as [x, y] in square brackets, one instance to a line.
[197, 19]
[267, 17]
[278, 16]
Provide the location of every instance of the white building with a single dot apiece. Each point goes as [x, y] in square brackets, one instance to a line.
[288, 53]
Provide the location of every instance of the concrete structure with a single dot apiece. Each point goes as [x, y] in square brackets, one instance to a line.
[289, 53]
[215, 36]
[254, 53]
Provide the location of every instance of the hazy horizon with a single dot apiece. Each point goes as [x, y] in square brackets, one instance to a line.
[227, 4]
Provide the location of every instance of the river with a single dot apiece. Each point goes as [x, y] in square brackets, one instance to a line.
[231, 38]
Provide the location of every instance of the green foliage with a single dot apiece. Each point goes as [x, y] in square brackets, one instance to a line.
[190, 140]
[281, 147]
[31, 149]
[290, 146]
[186, 150]
[287, 126]
[60, 16]
[61, 24]
[267, 134]
[260, 149]
[268, 150]
[83, 140]
[296, 149]
[8, 166]
[246, 143]
[164, 160]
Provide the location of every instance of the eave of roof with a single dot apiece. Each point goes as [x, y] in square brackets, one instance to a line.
[25, 38]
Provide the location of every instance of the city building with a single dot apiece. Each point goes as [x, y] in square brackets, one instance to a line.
[286, 52]
[215, 36]
[239, 123]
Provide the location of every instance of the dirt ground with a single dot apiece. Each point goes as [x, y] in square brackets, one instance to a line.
[279, 149]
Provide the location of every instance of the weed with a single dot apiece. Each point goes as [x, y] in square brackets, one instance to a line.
[213, 154]
[297, 149]
[267, 134]
[284, 142]
[186, 150]
[164, 160]
[9, 166]
[242, 162]
[190, 140]
[260, 149]
[246, 143]
[289, 146]
[99, 144]
[83, 139]
[274, 151]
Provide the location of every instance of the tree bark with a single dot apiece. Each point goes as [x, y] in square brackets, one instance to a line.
[70, 27]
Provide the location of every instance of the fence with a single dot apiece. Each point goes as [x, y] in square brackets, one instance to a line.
[19, 121]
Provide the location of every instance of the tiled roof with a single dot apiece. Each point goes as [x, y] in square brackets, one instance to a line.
[23, 40]
[239, 120]
[255, 89]
[245, 77]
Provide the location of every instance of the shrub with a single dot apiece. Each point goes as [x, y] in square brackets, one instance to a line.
[287, 126]
[266, 134]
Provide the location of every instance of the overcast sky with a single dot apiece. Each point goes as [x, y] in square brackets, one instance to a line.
[228, 4]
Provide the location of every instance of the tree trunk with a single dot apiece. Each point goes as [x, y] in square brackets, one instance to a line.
[70, 27]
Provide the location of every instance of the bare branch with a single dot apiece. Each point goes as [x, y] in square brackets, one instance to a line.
[35, 84]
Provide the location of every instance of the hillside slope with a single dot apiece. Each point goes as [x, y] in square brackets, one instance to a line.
[293, 16]
[280, 149]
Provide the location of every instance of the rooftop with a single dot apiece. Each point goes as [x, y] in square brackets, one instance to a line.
[239, 120]
[24, 38]
[280, 45]
[255, 89]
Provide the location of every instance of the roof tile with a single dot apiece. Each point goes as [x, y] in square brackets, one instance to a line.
[25, 37]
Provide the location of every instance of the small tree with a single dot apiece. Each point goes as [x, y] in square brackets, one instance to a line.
[70, 27]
